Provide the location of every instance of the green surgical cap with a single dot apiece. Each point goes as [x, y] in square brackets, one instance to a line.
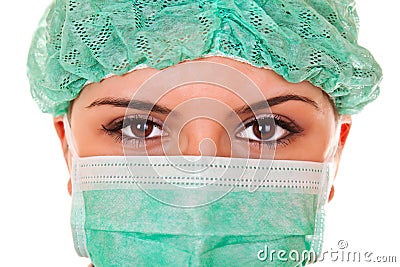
[82, 41]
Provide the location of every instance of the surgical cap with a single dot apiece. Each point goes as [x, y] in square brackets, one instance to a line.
[82, 41]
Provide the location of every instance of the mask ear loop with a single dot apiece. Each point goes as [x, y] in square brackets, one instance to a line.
[78, 206]
[68, 136]
[323, 195]
[334, 145]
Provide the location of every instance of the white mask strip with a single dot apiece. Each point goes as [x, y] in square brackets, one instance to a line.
[223, 174]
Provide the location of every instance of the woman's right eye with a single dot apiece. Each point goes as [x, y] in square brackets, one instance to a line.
[135, 129]
[141, 128]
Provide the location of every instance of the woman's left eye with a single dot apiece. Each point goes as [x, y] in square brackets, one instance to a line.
[268, 129]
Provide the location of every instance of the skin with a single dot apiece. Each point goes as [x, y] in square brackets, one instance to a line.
[322, 137]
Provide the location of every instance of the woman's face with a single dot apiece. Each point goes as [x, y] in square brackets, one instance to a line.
[304, 128]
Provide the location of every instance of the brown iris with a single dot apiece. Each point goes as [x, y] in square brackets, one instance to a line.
[264, 129]
[142, 128]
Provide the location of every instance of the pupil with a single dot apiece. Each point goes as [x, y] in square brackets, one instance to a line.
[264, 129]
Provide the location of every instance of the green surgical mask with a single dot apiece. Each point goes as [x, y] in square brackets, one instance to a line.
[197, 211]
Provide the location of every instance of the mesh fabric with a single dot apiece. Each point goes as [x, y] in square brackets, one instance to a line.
[84, 41]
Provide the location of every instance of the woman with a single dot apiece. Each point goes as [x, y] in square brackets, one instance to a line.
[263, 91]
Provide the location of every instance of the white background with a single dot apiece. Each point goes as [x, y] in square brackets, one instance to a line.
[35, 205]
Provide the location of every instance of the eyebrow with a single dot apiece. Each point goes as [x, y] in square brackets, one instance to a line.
[148, 106]
[275, 101]
[128, 103]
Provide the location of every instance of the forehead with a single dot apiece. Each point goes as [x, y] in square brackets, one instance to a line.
[268, 84]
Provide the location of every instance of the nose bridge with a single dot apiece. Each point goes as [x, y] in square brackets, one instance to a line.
[204, 136]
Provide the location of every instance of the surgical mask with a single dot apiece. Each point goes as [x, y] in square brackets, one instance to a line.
[197, 211]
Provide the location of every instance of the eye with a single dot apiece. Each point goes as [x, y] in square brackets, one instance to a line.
[268, 129]
[135, 129]
[141, 128]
